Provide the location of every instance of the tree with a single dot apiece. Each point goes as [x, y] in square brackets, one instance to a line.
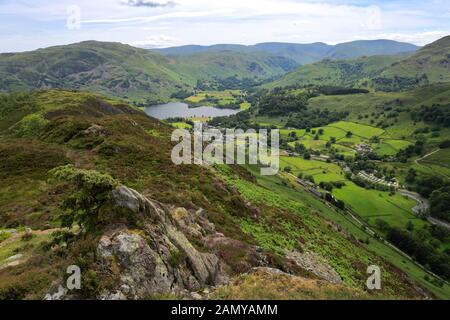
[382, 225]
[349, 134]
[91, 190]
[445, 144]
[326, 186]
[299, 148]
[411, 176]
[425, 185]
[307, 156]
[440, 203]
[340, 204]
[321, 131]
[287, 169]
[282, 103]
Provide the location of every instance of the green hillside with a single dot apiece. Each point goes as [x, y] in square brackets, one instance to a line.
[392, 110]
[432, 60]
[96, 144]
[430, 64]
[224, 64]
[123, 71]
[110, 68]
[346, 73]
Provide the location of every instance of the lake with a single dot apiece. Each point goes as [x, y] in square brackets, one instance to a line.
[180, 109]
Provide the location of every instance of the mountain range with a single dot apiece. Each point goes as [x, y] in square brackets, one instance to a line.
[123, 71]
[303, 53]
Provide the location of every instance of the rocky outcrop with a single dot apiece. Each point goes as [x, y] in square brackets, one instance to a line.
[154, 259]
[95, 130]
[158, 258]
[155, 254]
[311, 262]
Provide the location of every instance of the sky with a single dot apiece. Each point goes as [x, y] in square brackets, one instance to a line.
[31, 24]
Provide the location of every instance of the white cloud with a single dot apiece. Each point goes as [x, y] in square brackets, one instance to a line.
[420, 38]
[165, 16]
[157, 41]
[227, 21]
[149, 3]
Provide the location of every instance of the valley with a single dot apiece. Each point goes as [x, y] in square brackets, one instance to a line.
[86, 171]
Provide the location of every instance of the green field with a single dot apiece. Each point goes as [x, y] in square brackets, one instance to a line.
[223, 98]
[369, 204]
[245, 106]
[346, 145]
[367, 108]
[295, 193]
[321, 171]
[358, 129]
[384, 149]
[373, 204]
[285, 132]
[181, 125]
[437, 163]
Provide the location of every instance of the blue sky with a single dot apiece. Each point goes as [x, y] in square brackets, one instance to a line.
[31, 24]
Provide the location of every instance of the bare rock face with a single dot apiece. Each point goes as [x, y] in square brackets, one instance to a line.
[95, 130]
[57, 292]
[158, 258]
[311, 262]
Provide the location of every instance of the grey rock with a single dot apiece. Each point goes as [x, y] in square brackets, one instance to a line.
[159, 258]
[311, 262]
[15, 257]
[196, 296]
[57, 293]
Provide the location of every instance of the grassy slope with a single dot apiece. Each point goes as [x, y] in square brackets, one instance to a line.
[374, 72]
[136, 151]
[432, 60]
[295, 193]
[399, 134]
[369, 204]
[346, 146]
[110, 68]
[261, 285]
[365, 104]
[223, 64]
[337, 72]
[120, 70]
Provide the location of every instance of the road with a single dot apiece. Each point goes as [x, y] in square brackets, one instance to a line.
[426, 156]
[422, 203]
[439, 222]
[422, 206]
